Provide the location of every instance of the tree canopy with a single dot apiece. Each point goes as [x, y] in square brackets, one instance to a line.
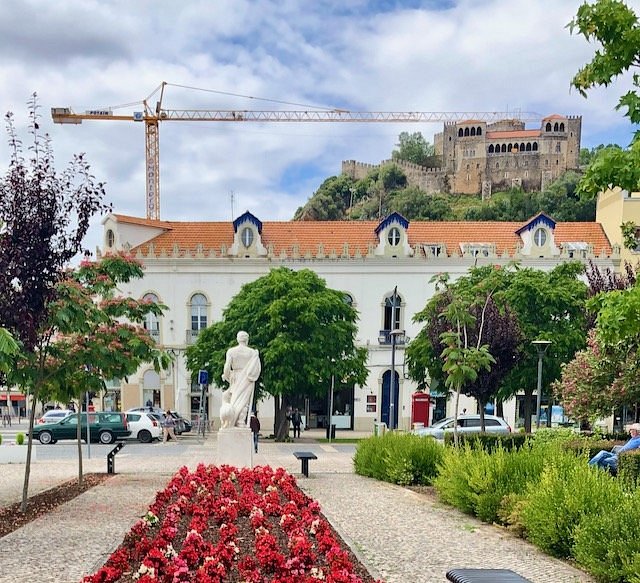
[305, 333]
[416, 149]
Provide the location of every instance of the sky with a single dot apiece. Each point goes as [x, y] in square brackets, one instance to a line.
[385, 55]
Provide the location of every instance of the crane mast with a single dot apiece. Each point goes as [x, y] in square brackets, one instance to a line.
[152, 118]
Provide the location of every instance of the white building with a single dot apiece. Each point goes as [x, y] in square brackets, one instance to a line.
[195, 268]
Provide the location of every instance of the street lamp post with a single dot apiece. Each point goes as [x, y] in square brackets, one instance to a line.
[395, 336]
[541, 346]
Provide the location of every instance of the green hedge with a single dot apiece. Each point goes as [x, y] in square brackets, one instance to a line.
[399, 458]
[489, 441]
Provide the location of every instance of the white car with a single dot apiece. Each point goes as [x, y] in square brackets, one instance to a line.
[466, 424]
[144, 427]
[54, 415]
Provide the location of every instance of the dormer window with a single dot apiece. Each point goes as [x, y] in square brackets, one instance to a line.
[394, 236]
[247, 236]
[540, 237]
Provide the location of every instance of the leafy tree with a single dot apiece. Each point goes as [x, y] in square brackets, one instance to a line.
[45, 216]
[8, 349]
[549, 306]
[614, 26]
[416, 149]
[299, 326]
[329, 202]
[417, 205]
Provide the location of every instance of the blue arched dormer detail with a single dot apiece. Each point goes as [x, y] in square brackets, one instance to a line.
[247, 217]
[540, 218]
[392, 218]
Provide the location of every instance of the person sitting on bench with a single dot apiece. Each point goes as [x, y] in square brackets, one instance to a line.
[608, 460]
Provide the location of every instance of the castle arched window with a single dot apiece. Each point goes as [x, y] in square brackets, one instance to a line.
[151, 322]
[479, 132]
[504, 148]
[516, 148]
[460, 132]
[497, 164]
[510, 148]
[528, 148]
[522, 147]
[490, 149]
[555, 127]
[535, 146]
[546, 162]
[547, 127]
[562, 127]
[473, 131]
[466, 131]
[198, 308]
[467, 166]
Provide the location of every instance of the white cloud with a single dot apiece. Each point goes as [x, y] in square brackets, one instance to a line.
[468, 55]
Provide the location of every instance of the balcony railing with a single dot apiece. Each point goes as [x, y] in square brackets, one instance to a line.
[384, 338]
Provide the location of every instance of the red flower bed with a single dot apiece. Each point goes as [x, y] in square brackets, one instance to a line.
[233, 525]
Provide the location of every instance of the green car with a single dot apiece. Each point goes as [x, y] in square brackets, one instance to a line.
[104, 427]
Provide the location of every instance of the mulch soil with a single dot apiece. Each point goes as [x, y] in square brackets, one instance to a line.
[11, 517]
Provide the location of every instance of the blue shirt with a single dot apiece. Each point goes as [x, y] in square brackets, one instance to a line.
[633, 443]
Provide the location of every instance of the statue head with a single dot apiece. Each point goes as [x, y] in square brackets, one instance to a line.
[242, 337]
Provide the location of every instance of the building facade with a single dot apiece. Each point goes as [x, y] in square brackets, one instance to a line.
[195, 268]
[481, 158]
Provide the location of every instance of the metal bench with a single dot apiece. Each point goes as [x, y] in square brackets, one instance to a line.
[305, 456]
[485, 576]
[111, 458]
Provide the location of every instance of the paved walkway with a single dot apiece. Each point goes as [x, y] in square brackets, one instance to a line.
[402, 537]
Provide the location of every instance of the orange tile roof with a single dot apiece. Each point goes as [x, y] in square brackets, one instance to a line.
[508, 135]
[554, 116]
[308, 235]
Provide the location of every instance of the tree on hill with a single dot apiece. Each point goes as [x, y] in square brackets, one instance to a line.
[416, 149]
[305, 333]
[615, 28]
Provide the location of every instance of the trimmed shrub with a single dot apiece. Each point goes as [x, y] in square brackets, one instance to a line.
[629, 469]
[489, 441]
[476, 481]
[20, 438]
[587, 447]
[400, 458]
[607, 545]
[569, 491]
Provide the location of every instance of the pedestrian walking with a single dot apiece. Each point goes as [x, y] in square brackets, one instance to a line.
[254, 424]
[168, 427]
[296, 419]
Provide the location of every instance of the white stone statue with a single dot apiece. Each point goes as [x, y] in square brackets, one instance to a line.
[241, 370]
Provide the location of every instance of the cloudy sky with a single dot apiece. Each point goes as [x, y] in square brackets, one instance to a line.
[385, 55]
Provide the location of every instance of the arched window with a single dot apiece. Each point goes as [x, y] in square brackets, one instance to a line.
[504, 148]
[561, 127]
[555, 127]
[111, 238]
[528, 146]
[466, 131]
[515, 148]
[394, 236]
[151, 323]
[491, 149]
[510, 148]
[479, 132]
[522, 147]
[460, 133]
[392, 305]
[547, 127]
[473, 131]
[347, 299]
[535, 146]
[497, 164]
[198, 306]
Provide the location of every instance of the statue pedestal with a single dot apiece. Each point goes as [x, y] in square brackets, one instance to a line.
[235, 447]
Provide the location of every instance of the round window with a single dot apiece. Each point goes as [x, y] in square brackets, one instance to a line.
[247, 237]
[540, 237]
[394, 236]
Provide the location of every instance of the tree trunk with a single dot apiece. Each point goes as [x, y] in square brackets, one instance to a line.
[80, 443]
[528, 393]
[27, 468]
[481, 406]
[281, 423]
[455, 418]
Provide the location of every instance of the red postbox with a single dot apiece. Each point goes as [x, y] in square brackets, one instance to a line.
[420, 408]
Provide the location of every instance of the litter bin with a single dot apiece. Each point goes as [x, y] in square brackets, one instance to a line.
[379, 429]
[333, 432]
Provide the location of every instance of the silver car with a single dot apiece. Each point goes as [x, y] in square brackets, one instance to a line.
[466, 424]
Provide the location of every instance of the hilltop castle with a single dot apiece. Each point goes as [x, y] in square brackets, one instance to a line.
[479, 157]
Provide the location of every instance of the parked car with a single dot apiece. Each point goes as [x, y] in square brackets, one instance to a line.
[104, 427]
[54, 415]
[181, 422]
[145, 427]
[188, 426]
[466, 424]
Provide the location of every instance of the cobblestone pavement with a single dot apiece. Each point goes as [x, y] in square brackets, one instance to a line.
[401, 536]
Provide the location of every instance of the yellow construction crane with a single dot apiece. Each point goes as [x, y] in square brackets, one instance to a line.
[153, 116]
